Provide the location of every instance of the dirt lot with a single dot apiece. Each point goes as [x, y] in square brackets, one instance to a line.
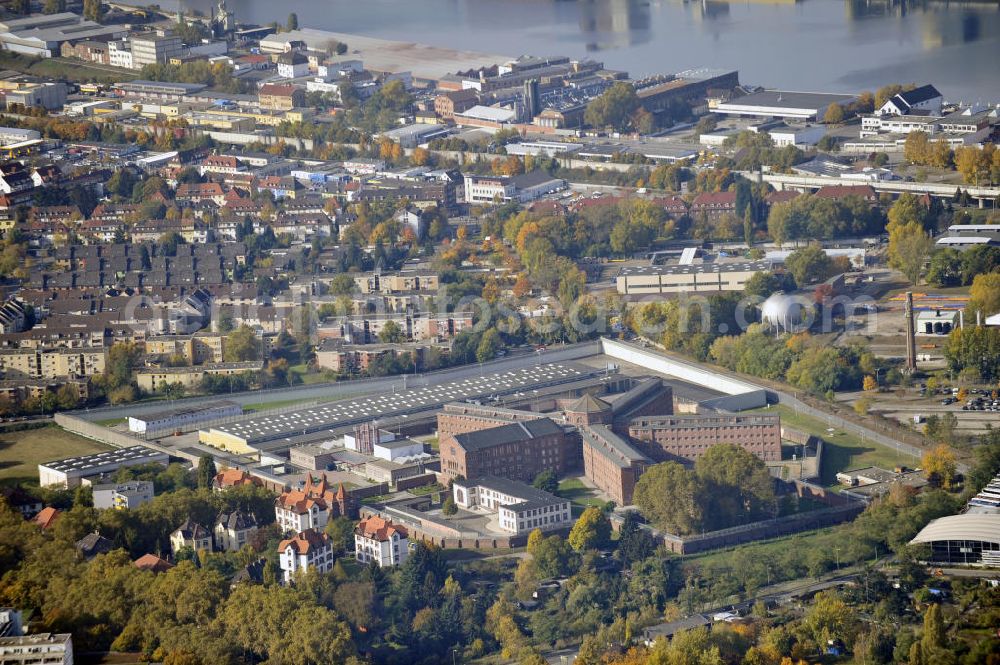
[21, 452]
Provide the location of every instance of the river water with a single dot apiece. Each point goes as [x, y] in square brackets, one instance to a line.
[813, 45]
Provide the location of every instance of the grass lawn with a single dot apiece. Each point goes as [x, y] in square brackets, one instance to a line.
[842, 450]
[579, 495]
[111, 422]
[307, 377]
[21, 452]
[768, 550]
[66, 69]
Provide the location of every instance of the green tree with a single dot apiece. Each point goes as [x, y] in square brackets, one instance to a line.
[342, 285]
[634, 542]
[54, 6]
[909, 246]
[669, 497]
[547, 481]
[206, 471]
[341, 532]
[614, 108]
[762, 284]
[391, 333]
[448, 506]
[123, 358]
[241, 345]
[592, 530]
[834, 114]
[737, 486]
[984, 295]
[93, 10]
[809, 264]
[976, 348]
[488, 346]
[293, 22]
[945, 268]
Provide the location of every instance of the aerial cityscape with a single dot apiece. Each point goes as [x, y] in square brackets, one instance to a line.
[606, 332]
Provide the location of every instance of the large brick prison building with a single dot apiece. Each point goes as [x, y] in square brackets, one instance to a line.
[688, 437]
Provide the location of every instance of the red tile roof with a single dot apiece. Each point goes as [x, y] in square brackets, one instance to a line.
[305, 541]
[46, 517]
[840, 191]
[153, 563]
[378, 528]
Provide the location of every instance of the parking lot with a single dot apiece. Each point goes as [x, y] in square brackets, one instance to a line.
[978, 407]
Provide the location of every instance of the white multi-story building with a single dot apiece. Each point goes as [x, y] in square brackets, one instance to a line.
[38, 649]
[308, 549]
[120, 54]
[521, 188]
[123, 496]
[379, 540]
[520, 508]
[292, 65]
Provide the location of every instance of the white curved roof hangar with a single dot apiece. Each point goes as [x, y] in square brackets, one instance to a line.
[970, 526]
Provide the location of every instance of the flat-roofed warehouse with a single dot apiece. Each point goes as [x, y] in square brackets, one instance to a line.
[783, 104]
[706, 277]
[69, 472]
[247, 435]
[170, 419]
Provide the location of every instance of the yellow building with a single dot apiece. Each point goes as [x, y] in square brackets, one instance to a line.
[52, 364]
[154, 380]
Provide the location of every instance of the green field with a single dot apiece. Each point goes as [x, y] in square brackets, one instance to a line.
[842, 450]
[21, 452]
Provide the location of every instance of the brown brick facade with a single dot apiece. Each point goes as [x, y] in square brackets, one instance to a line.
[688, 437]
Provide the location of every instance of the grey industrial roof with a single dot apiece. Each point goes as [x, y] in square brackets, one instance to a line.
[783, 99]
[119, 456]
[384, 405]
[513, 432]
[187, 410]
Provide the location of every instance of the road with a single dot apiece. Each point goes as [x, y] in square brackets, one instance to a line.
[353, 388]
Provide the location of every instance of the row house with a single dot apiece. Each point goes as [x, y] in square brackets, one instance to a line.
[114, 212]
[64, 214]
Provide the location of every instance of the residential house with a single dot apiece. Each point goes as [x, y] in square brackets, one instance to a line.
[190, 534]
[312, 506]
[380, 541]
[234, 530]
[307, 549]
